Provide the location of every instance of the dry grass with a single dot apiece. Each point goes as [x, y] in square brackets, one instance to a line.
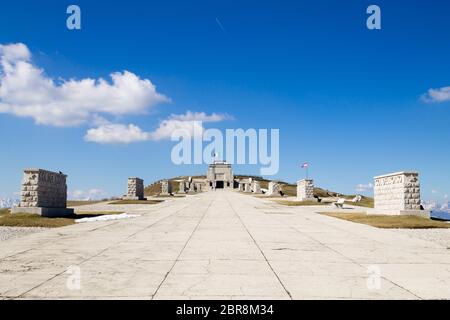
[8, 219]
[300, 203]
[365, 202]
[136, 202]
[389, 222]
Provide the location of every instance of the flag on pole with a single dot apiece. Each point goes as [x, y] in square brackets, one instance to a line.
[305, 165]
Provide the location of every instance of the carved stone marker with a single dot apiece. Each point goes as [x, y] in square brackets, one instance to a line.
[44, 193]
[135, 189]
[256, 187]
[247, 187]
[165, 188]
[398, 194]
[240, 186]
[273, 188]
[305, 190]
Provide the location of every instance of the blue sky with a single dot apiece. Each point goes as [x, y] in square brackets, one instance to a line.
[346, 99]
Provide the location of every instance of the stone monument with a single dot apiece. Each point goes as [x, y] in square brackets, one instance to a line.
[273, 188]
[182, 187]
[256, 187]
[166, 189]
[398, 194]
[135, 189]
[219, 175]
[44, 193]
[305, 190]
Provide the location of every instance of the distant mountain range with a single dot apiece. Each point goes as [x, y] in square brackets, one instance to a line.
[8, 203]
[433, 206]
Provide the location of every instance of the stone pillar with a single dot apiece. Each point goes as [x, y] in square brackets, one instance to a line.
[247, 187]
[44, 193]
[305, 190]
[135, 189]
[256, 187]
[398, 194]
[191, 187]
[165, 188]
[273, 188]
[182, 187]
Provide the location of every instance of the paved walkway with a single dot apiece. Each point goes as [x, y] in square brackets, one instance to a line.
[223, 245]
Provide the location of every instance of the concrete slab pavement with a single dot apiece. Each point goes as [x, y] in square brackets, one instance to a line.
[223, 245]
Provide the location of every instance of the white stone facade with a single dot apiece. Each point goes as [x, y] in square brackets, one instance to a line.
[305, 190]
[220, 175]
[398, 193]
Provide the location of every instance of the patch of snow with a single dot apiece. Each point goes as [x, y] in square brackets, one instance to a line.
[108, 217]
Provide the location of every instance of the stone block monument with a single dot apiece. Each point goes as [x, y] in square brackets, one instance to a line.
[44, 193]
[256, 187]
[398, 194]
[135, 190]
[273, 188]
[305, 190]
[166, 189]
[247, 187]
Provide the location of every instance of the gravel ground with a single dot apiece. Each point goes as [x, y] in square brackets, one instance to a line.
[15, 232]
[441, 236]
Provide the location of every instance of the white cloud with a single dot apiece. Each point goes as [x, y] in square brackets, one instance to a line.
[437, 95]
[190, 122]
[167, 127]
[200, 116]
[26, 91]
[364, 187]
[116, 133]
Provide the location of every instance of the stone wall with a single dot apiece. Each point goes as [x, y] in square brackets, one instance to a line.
[397, 193]
[135, 188]
[305, 190]
[42, 188]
